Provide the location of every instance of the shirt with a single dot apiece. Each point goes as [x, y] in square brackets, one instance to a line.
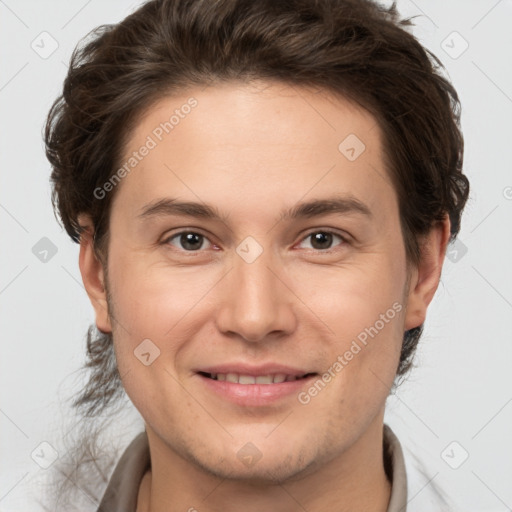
[123, 487]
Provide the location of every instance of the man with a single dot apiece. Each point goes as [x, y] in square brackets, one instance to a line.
[263, 194]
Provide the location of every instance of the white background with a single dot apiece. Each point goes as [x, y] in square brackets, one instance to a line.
[461, 389]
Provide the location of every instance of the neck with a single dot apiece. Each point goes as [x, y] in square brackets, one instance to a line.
[353, 480]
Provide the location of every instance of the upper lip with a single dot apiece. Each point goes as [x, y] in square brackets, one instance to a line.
[260, 370]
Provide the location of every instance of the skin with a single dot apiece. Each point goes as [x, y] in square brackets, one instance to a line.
[253, 151]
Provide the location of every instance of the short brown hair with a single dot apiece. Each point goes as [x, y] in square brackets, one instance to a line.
[357, 49]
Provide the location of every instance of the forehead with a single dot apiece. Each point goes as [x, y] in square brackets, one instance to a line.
[267, 141]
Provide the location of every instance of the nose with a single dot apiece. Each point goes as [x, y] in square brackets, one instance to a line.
[257, 304]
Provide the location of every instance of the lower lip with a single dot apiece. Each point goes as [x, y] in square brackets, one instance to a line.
[254, 394]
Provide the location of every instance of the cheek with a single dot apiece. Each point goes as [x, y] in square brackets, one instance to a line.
[351, 296]
[158, 310]
[152, 300]
[363, 307]
[363, 355]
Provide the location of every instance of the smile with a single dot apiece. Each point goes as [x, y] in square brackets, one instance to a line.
[249, 390]
[238, 378]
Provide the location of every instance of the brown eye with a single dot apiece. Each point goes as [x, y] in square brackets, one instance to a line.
[323, 240]
[187, 240]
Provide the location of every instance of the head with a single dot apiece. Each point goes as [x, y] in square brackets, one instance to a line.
[251, 184]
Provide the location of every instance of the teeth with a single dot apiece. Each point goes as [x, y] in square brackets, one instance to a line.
[236, 378]
[246, 379]
[264, 379]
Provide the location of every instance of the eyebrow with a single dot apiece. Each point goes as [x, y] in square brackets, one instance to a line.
[338, 204]
[341, 205]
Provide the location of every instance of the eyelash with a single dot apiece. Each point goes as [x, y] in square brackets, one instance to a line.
[343, 239]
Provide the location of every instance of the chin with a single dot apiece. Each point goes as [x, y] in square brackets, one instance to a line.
[276, 469]
[262, 474]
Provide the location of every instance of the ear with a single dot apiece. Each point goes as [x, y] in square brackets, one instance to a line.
[424, 278]
[93, 276]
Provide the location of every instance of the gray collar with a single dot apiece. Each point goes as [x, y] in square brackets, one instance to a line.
[394, 457]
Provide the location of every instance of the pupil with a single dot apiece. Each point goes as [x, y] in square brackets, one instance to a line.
[320, 240]
[191, 241]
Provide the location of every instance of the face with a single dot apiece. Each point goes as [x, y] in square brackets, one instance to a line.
[257, 276]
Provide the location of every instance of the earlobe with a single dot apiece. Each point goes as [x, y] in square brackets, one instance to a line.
[426, 276]
[93, 275]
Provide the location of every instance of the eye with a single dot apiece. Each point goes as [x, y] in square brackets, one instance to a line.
[188, 241]
[323, 240]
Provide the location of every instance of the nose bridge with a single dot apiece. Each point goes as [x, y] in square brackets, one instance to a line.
[257, 303]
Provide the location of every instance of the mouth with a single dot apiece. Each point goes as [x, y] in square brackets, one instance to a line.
[245, 379]
[255, 387]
